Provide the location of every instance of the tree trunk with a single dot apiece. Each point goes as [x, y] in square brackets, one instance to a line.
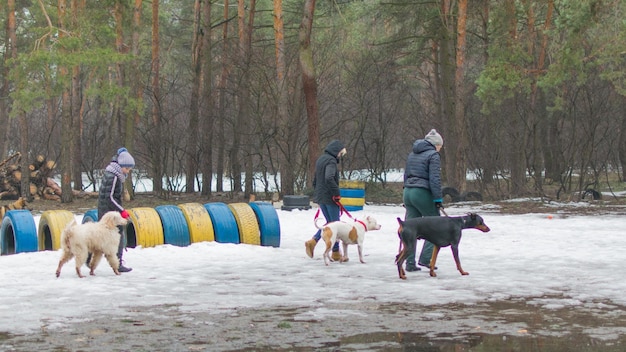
[66, 120]
[157, 164]
[76, 100]
[207, 105]
[447, 71]
[221, 143]
[460, 175]
[196, 79]
[622, 139]
[5, 102]
[287, 171]
[309, 86]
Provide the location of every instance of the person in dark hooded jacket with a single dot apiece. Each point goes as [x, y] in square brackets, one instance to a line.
[110, 195]
[326, 191]
[422, 188]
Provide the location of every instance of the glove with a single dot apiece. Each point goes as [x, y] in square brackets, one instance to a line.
[438, 205]
[125, 214]
[336, 199]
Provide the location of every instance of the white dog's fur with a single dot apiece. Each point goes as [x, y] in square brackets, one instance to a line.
[348, 234]
[97, 238]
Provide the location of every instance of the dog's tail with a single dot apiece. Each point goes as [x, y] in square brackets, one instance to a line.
[68, 234]
[317, 225]
[401, 244]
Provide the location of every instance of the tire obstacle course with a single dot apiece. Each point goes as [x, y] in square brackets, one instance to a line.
[352, 194]
[254, 223]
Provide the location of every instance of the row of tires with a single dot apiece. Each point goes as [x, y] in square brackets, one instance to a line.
[180, 225]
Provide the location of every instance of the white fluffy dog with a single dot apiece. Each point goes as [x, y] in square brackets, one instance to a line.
[97, 238]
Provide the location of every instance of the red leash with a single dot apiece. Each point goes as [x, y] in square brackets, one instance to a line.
[342, 210]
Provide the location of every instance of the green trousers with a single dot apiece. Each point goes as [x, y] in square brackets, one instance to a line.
[419, 202]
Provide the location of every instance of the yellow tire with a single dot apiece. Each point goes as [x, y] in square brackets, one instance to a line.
[144, 229]
[249, 231]
[51, 225]
[199, 222]
[357, 202]
[354, 184]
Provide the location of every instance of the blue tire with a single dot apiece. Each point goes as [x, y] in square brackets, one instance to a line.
[175, 228]
[90, 215]
[18, 233]
[268, 223]
[351, 193]
[224, 223]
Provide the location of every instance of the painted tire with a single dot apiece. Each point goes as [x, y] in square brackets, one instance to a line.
[51, 225]
[175, 229]
[144, 229]
[296, 202]
[198, 221]
[352, 184]
[249, 232]
[356, 202]
[351, 193]
[90, 215]
[451, 193]
[269, 225]
[224, 222]
[18, 233]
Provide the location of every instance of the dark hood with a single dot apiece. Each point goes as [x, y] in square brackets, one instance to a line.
[334, 147]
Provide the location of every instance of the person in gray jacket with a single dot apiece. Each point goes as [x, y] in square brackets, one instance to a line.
[422, 188]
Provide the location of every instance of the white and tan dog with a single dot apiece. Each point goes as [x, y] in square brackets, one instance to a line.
[353, 233]
[99, 238]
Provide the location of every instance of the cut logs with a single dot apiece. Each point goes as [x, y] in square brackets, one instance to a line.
[42, 184]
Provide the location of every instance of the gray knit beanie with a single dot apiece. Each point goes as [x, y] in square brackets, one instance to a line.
[434, 138]
[124, 158]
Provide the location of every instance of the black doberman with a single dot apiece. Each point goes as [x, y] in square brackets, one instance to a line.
[438, 230]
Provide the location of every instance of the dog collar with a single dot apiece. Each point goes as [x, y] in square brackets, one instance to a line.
[362, 223]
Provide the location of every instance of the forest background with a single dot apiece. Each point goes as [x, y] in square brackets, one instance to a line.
[528, 95]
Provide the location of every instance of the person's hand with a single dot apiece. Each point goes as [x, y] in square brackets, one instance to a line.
[336, 199]
[125, 214]
[438, 205]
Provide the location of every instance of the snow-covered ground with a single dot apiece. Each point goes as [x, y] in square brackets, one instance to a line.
[573, 260]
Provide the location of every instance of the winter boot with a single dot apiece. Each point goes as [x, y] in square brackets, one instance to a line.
[120, 250]
[310, 247]
[123, 269]
[336, 256]
[410, 263]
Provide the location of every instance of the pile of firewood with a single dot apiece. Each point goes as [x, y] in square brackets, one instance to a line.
[42, 184]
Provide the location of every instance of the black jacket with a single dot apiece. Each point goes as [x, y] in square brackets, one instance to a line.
[326, 180]
[110, 196]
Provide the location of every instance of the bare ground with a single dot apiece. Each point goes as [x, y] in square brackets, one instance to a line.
[362, 326]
